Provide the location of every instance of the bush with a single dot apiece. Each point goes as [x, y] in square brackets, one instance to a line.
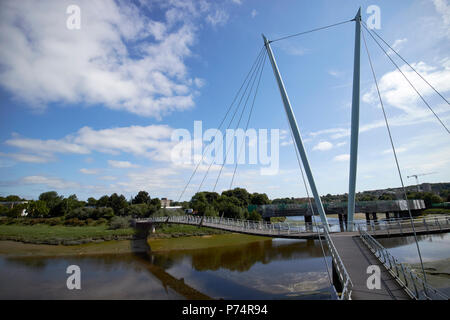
[90, 213]
[75, 222]
[118, 222]
[254, 215]
[100, 221]
[210, 212]
[53, 221]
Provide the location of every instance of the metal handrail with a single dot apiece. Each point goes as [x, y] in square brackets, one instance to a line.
[294, 228]
[344, 278]
[410, 282]
[431, 222]
[297, 228]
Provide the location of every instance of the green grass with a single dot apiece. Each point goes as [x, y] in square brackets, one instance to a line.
[41, 233]
[185, 230]
[436, 211]
[190, 243]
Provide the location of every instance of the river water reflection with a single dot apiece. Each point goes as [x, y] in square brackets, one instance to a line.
[264, 269]
[269, 269]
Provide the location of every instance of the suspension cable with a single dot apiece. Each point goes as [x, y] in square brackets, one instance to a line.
[310, 31]
[396, 158]
[248, 121]
[410, 83]
[251, 80]
[409, 65]
[239, 121]
[221, 123]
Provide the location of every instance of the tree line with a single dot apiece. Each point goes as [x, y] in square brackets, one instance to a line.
[237, 203]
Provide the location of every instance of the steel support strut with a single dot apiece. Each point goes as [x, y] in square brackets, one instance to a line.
[355, 124]
[296, 133]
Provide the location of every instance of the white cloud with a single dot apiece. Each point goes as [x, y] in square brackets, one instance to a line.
[443, 8]
[342, 158]
[398, 94]
[237, 1]
[50, 182]
[31, 158]
[323, 146]
[120, 58]
[153, 142]
[108, 178]
[121, 164]
[89, 171]
[397, 45]
[218, 18]
[397, 150]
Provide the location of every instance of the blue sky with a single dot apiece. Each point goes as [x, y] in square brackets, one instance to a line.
[91, 111]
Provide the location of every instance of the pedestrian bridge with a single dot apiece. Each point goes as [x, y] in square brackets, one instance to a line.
[351, 252]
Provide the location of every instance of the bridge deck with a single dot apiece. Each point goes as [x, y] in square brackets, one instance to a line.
[356, 258]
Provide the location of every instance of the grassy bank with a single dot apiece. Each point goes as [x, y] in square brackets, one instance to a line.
[45, 234]
[20, 249]
[202, 242]
[70, 235]
[180, 230]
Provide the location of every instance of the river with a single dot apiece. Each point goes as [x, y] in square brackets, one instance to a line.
[262, 269]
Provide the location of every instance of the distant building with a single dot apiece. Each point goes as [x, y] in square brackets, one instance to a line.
[173, 208]
[165, 202]
[11, 204]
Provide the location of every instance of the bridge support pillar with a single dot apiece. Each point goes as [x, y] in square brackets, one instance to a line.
[388, 217]
[342, 221]
[374, 218]
[368, 218]
[308, 223]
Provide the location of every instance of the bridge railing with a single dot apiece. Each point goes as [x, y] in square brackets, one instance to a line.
[409, 280]
[255, 227]
[437, 223]
[344, 278]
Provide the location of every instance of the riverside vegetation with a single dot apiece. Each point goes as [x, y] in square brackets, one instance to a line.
[54, 219]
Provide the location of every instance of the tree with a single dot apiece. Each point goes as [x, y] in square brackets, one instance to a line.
[387, 196]
[199, 202]
[254, 215]
[141, 197]
[117, 203]
[38, 209]
[13, 198]
[141, 210]
[53, 202]
[156, 203]
[259, 199]
[210, 211]
[239, 193]
[91, 202]
[103, 202]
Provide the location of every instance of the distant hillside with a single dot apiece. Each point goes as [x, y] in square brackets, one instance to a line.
[435, 190]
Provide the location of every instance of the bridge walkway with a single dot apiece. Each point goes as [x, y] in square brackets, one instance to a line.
[357, 257]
